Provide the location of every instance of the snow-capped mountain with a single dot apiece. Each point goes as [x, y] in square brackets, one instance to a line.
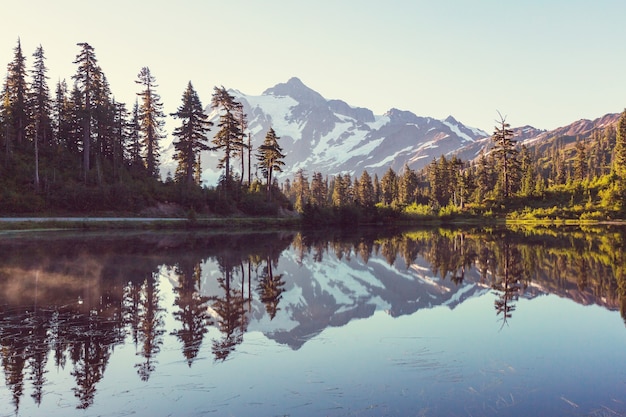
[539, 139]
[332, 137]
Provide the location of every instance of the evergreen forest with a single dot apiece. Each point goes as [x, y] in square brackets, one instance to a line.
[74, 149]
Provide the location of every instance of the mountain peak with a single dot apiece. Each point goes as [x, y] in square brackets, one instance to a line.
[451, 120]
[295, 89]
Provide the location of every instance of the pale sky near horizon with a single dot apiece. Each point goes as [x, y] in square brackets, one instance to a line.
[544, 63]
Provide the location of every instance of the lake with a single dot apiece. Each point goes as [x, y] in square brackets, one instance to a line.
[428, 322]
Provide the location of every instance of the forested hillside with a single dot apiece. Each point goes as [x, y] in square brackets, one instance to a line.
[75, 149]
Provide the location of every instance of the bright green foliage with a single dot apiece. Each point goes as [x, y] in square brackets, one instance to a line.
[527, 187]
[191, 135]
[484, 177]
[619, 160]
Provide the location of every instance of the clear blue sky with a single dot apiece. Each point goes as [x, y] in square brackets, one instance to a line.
[541, 62]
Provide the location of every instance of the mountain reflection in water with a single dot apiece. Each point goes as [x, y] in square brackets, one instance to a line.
[69, 301]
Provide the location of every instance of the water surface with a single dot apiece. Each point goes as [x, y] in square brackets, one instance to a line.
[427, 322]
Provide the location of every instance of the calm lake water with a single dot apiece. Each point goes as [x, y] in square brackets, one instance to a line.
[420, 323]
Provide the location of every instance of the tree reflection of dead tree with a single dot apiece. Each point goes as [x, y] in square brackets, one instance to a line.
[507, 282]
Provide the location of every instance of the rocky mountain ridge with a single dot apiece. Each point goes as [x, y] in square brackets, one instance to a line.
[333, 137]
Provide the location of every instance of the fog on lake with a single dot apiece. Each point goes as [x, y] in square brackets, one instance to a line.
[513, 322]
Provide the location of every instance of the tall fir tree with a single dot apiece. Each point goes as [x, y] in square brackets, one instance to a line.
[228, 138]
[134, 148]
[318, 190]
[151, 120]
[365, 193]
[407, 186]
[40, 107]
[16, 100]
[619, 154]
[580, 160]
[506, 154]
[270, 156]
[389, 187]
[86, 79]
[191, 134]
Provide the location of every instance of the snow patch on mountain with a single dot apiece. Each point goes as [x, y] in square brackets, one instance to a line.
[333, 137]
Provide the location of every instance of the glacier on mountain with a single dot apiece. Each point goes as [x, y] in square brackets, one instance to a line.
[332, 137]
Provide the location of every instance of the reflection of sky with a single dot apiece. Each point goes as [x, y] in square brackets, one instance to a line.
[554, 357]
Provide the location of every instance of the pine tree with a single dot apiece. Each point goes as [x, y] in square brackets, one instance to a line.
[365, 191]
[86, 81]
[192, 134]
[580, 161]
[16, 99]
[407, 186]
[504, 149]
[389, 187]
[270, 156]
[619, 156]
[150, 120]
[527, 188]
[40, 107]
[376, 186]
[134, 139]
[485, 181]
[340, 191]
[242, 119]
[318, 190]
[228, 139]
[60, 113]
[121, 134]
[300, 191]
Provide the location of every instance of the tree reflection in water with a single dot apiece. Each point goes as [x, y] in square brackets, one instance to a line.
[192, 310]
[69, 302]
[507, 281]
[150, 319]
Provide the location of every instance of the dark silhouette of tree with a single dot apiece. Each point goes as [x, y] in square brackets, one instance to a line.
[506, 155]
[270, 288]
[231, 318]
[40, 107]
[192, 136]
[16, 113]
[14, 353]
[389, 187]
[508, 280]
[192, 313]
[270, 156]
[150, 120]
[228, 138]
[151, 326]
[87, 78]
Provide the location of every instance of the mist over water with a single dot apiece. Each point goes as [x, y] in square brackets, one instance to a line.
[421, 322]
